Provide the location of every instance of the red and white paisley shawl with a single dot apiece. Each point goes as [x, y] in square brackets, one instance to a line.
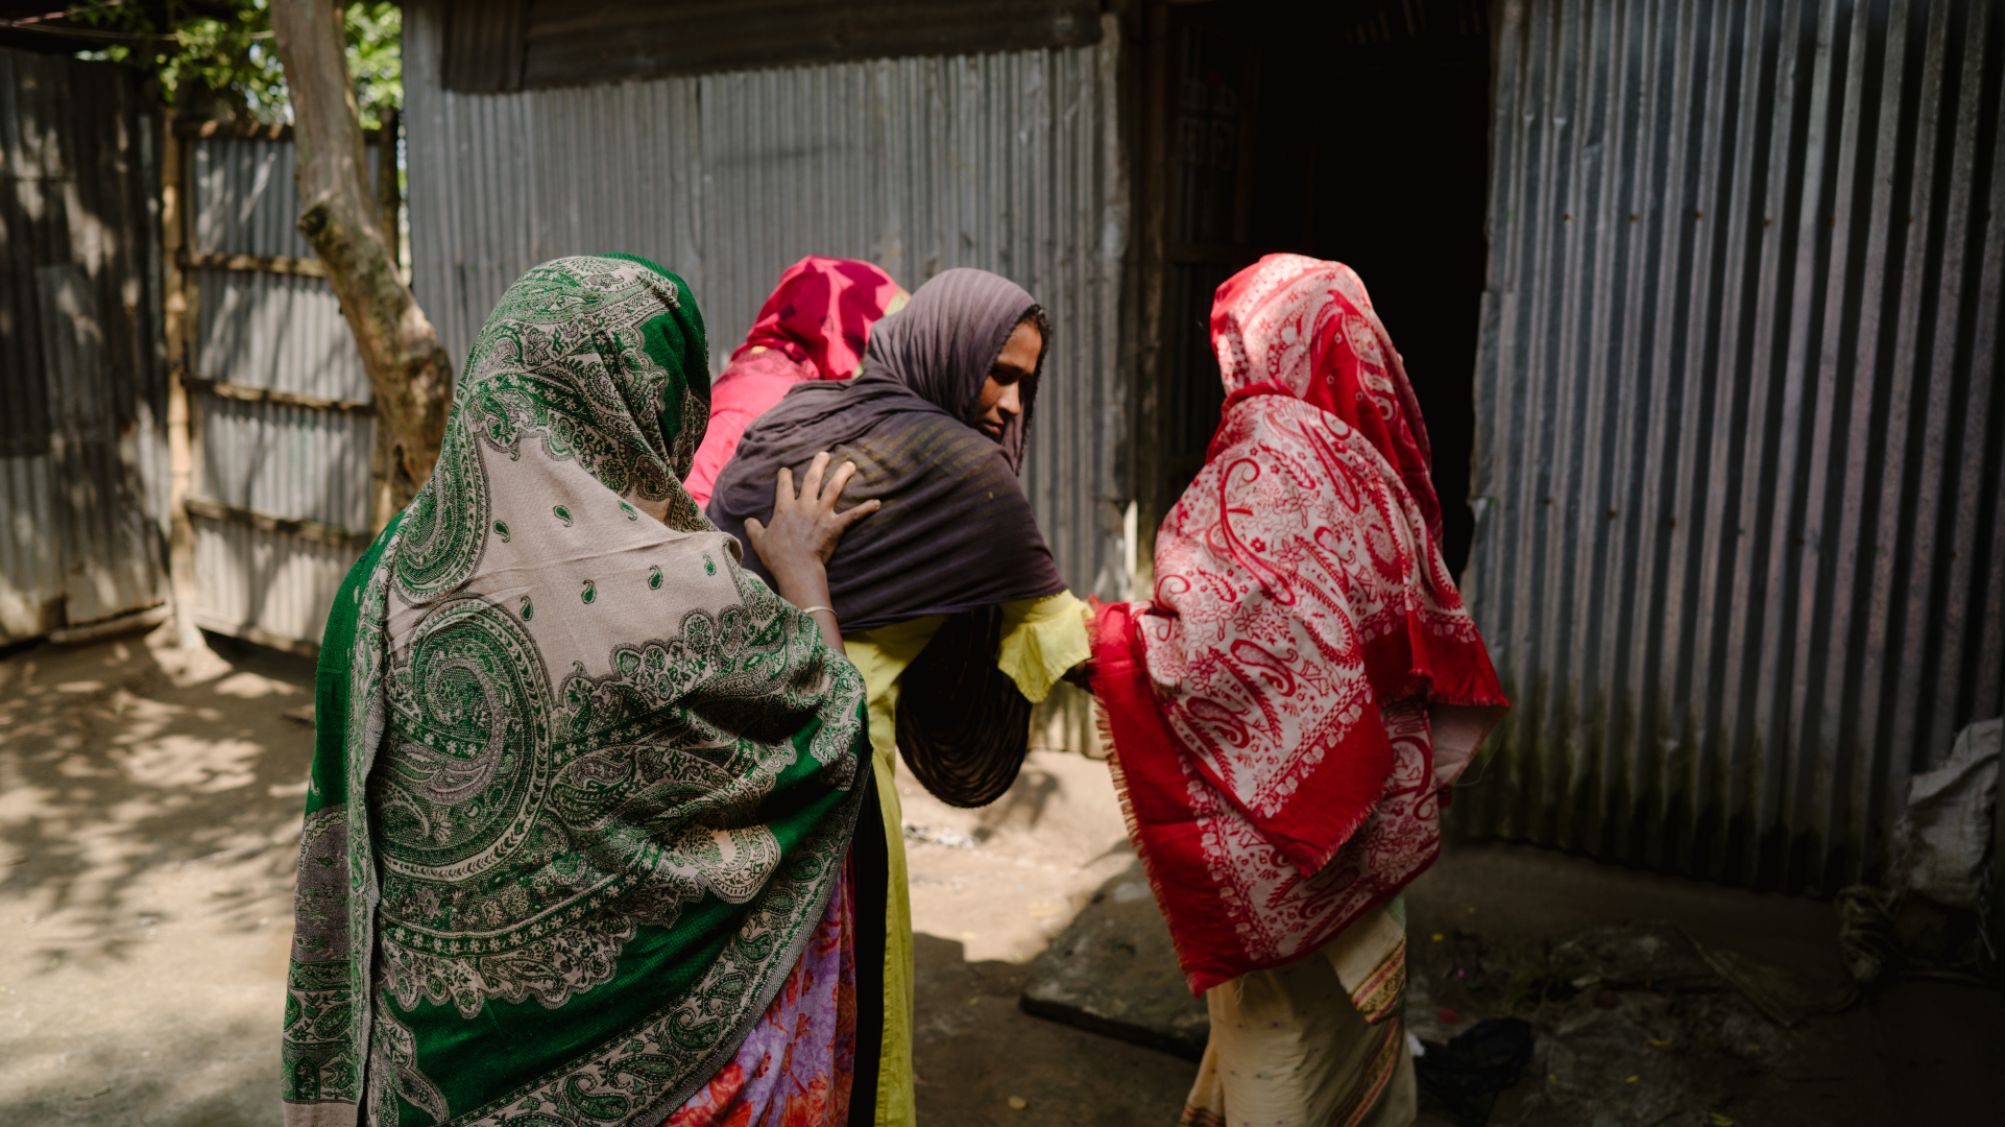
[1274, 709]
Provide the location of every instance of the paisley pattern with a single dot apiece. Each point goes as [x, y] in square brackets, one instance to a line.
[585, 847]
[1306, 328]
[1273, 907]
[561, 363]
[320, 1064]
[1269, 708]
[1288, 577]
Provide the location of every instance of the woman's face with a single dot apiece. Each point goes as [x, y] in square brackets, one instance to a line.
[1002, 392]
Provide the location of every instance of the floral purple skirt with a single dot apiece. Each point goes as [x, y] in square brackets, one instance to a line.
[794, 1068]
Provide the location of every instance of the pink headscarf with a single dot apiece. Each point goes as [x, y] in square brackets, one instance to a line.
[1273, 709]
[814, 326]
[820, 315]
[1308, 326]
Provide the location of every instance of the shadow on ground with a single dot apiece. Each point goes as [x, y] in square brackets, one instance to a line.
[1658, 1000]
[991, 888]
[976, 1051]
[118, 767]
[149, 814]
[198, 1074]
[1652, 1000]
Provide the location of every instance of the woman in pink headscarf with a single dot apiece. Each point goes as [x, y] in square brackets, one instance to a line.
[813, 327]
[1287, 709]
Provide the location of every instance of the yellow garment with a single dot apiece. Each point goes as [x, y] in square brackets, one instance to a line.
[1042, 639]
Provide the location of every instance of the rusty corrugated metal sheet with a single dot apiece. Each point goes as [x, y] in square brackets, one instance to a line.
[1007, 161]
[1741, 559]
[264, 466]
[82, 383]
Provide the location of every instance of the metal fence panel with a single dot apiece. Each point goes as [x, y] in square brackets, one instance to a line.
[82, 383]
[278, 402]
[1741, 557]
[275, 458]
[245, 200]
[276, 332]
[268, 586]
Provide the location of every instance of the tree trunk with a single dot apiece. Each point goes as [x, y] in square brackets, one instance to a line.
[409, 371]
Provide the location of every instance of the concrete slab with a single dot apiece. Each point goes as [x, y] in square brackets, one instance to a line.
[1114, 971]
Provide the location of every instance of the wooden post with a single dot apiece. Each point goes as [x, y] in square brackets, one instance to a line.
[1997, 906]
[1151, 187]
[176, 310]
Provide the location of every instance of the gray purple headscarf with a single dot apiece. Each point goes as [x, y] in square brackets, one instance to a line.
[956, 531]
[955, 535]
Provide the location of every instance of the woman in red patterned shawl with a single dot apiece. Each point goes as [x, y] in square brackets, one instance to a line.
[1287, 710]
[813, 327]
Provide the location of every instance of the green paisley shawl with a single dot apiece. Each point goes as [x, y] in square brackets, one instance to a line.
[581, 786]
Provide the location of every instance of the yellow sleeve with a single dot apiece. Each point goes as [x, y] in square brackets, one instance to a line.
[1042, 639]
[881, 655]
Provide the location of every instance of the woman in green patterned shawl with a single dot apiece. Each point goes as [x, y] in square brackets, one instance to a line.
[583, 789]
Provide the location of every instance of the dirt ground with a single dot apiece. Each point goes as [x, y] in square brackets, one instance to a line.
[149, 807]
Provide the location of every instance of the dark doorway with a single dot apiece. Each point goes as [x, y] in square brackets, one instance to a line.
[1361, 137]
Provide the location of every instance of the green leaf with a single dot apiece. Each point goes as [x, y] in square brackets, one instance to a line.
[228, 65]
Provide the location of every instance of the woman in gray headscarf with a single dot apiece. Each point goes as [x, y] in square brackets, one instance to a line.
[949, 602]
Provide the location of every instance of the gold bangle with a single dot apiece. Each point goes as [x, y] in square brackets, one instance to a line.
[813, 610]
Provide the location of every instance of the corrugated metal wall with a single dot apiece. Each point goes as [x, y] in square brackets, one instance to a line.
[1004, 161]
[82, 384]
[279, 402]
[1741, 432]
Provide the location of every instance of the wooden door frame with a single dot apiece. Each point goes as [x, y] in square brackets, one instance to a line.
[1150, 27]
